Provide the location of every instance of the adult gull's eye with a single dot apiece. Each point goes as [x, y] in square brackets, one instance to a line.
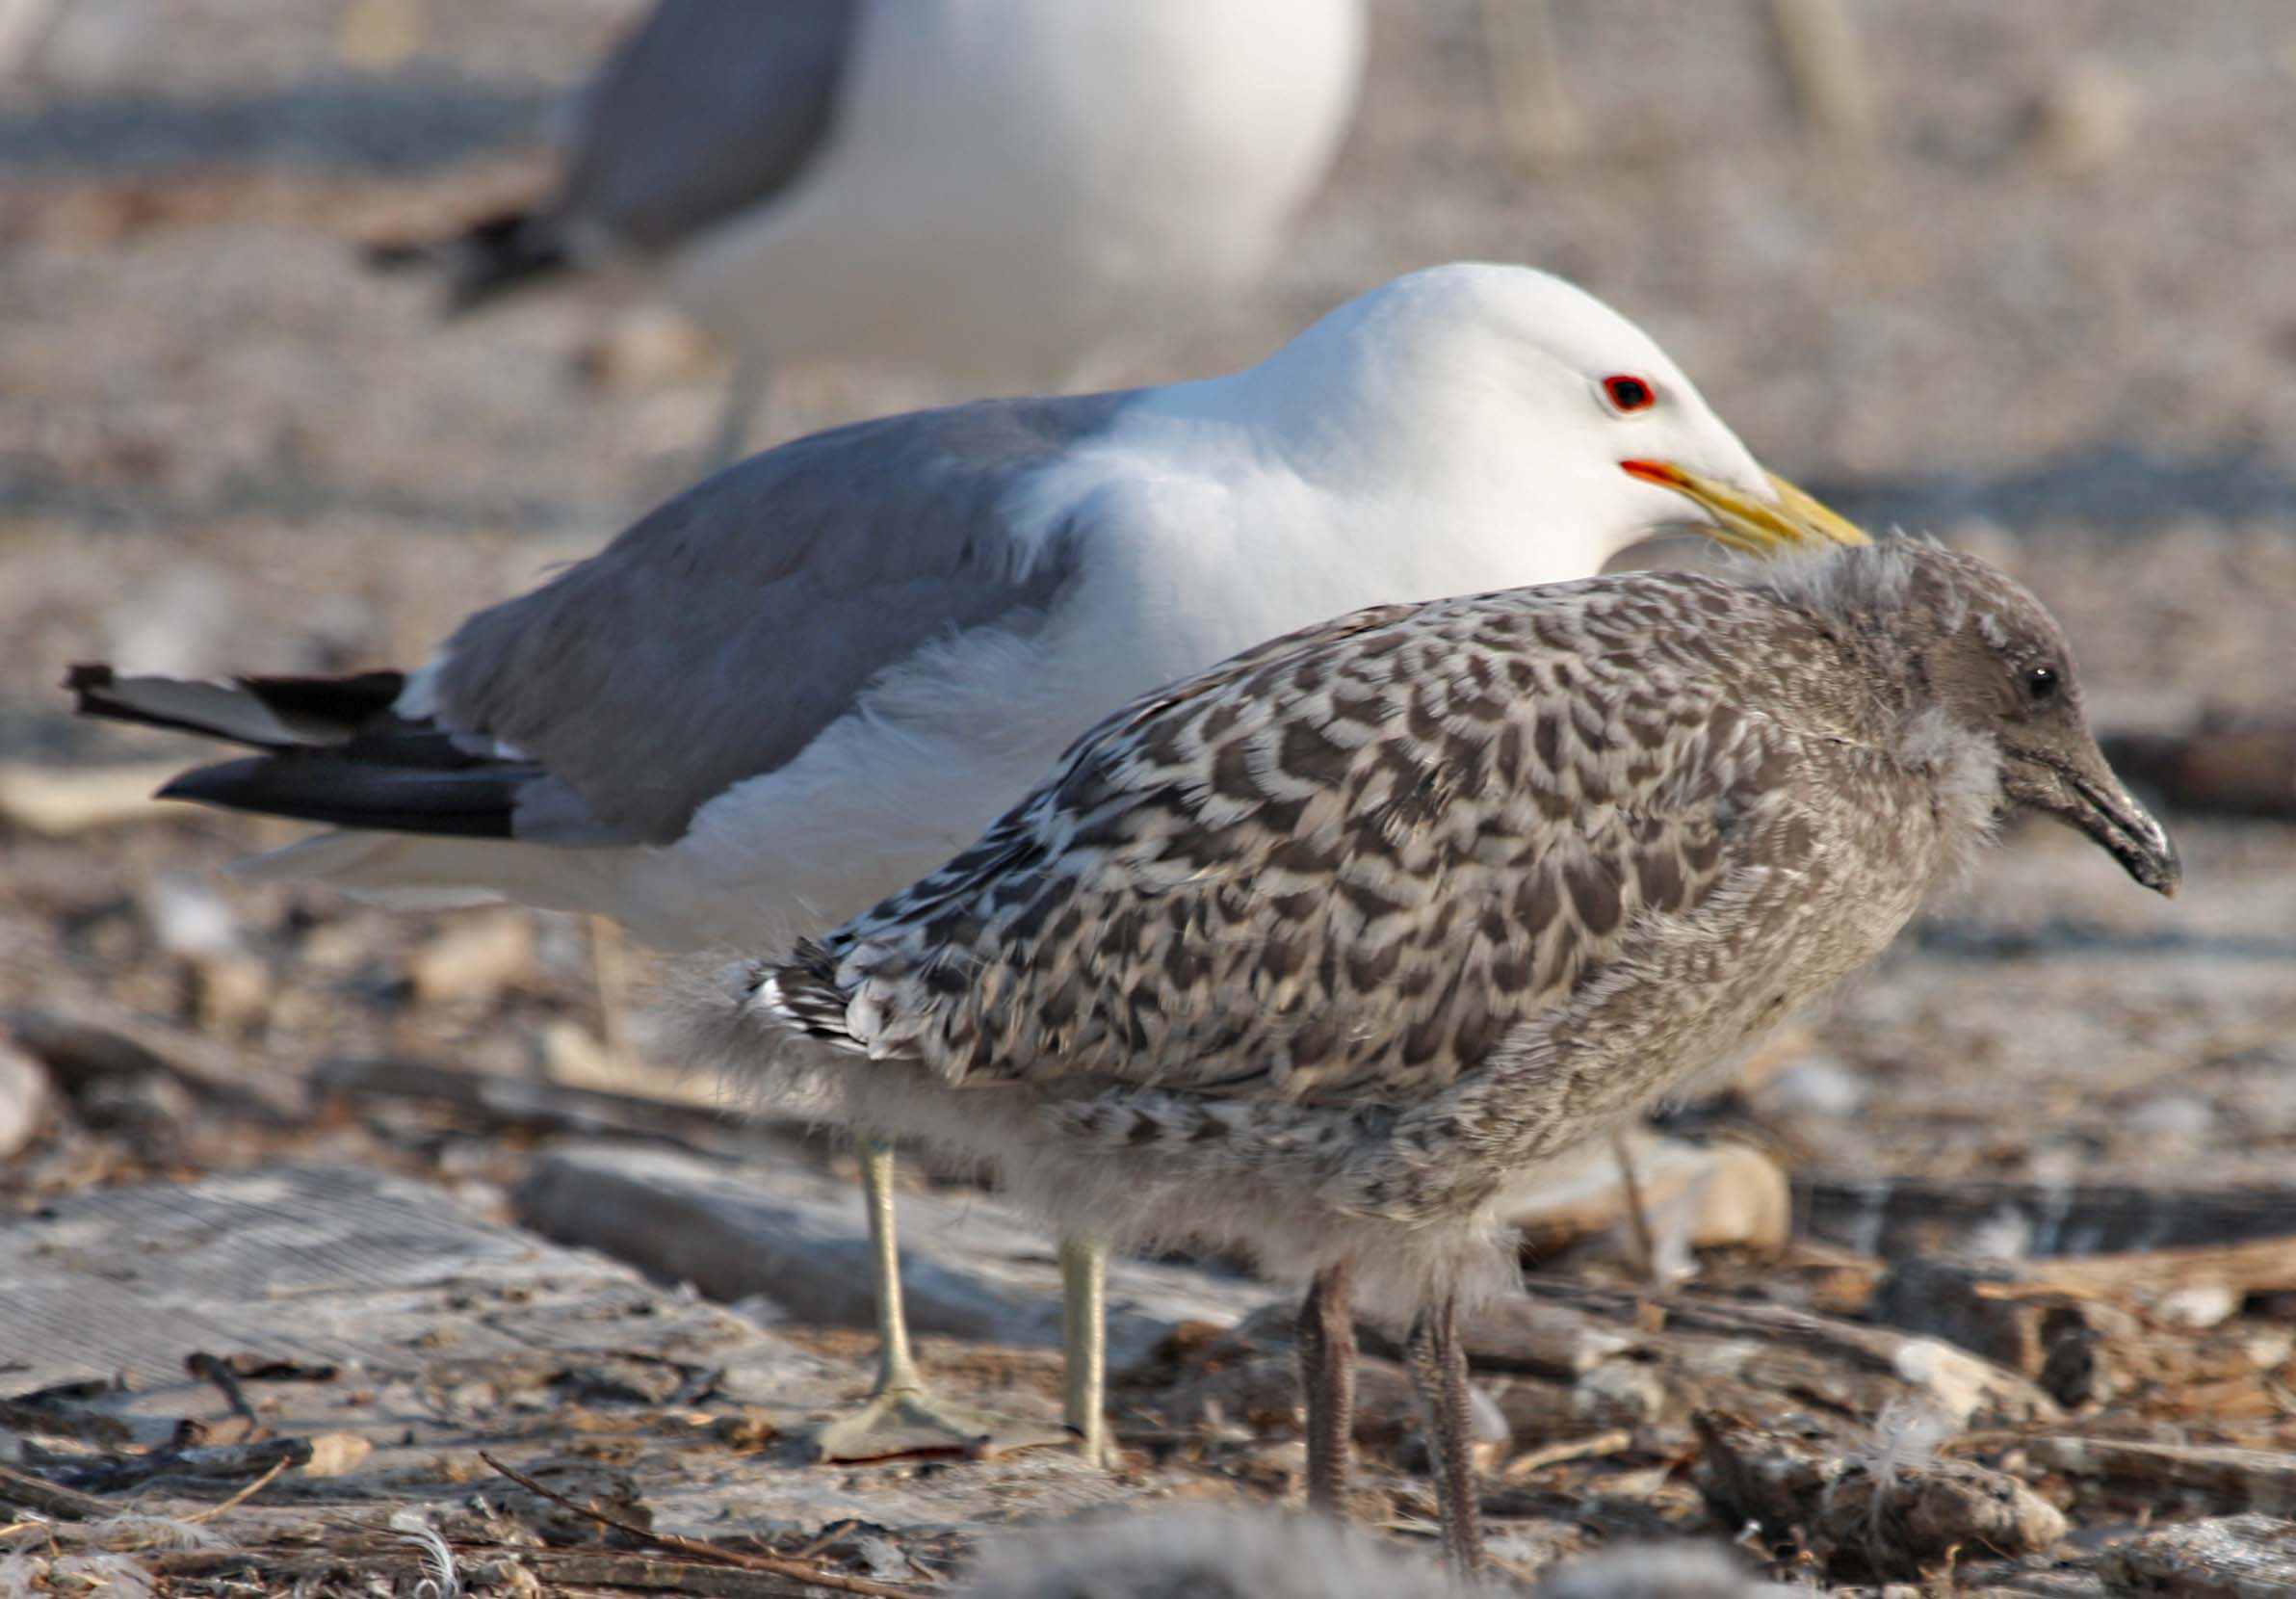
[1629, 393]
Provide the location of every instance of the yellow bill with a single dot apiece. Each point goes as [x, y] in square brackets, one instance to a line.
[1757, 527]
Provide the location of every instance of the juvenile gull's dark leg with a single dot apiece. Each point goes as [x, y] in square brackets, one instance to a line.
[1325, 1336]
[1439, 1372]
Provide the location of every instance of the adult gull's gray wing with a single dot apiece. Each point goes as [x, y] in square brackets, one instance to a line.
[710, 643]
[707, 108]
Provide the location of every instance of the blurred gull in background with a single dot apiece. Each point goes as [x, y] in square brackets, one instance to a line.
[987, 189]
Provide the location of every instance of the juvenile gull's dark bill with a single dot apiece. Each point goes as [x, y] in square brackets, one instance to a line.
[813, 677]
[1313, 954]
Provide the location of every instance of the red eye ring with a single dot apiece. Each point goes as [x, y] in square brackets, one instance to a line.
[1628, 393]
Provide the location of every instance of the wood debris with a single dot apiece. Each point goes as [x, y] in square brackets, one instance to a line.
[2176, 1477]
[2251, 1557]
[1889, 1516]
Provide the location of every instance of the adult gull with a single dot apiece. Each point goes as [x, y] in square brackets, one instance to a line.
[988, 188]
[821, 672]
[1313, 954]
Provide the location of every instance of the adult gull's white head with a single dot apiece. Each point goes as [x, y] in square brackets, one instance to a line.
[1510, 386]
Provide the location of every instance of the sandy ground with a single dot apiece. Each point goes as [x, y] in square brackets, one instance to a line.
[2044, 311]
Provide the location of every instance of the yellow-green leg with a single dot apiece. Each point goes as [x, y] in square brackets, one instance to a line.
[902, 1416]
[1085, 1346]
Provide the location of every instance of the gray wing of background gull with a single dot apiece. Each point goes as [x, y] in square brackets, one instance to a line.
[707, 108]
[708, 643]
[711, 107]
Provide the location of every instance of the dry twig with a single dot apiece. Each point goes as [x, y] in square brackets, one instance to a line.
[1613, 1442]
[243, 1496]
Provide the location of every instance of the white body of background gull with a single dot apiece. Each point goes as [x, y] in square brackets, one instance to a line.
[988, 188]
[819, 673]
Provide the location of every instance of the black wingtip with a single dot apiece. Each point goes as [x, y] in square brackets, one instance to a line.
[224, 783]
[322, 786]
[268, 713]
[86, 682]
[493, 257]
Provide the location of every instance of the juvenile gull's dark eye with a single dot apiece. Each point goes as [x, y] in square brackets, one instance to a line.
[2042, 683]
[1630, 393]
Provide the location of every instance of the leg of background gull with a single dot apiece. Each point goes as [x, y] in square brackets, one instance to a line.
[902, 1417]
[1084, 1345]
[744, 394]
[1439, 1372]
[1528, 80]
[1828, 71]
[1325, 1337]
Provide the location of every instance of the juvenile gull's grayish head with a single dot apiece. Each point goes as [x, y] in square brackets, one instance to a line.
[1999, 674]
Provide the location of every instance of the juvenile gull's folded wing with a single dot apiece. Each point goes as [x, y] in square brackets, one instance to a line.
[1345, 866]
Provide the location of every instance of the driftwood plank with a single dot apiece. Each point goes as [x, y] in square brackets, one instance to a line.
[1896, 1217]
[316, 1265]
[37, 1493]
[2229, 767]
[1851, 1368]
[2153, 1276]
[2248, 1556]
[2222, 1479]
[2093, 1328]
[971, 1267]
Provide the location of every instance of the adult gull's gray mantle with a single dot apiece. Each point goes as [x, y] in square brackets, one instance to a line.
[1313, 954]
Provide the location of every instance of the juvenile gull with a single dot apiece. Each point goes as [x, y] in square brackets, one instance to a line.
[1313, 954]
[988, 188]
[818, 674]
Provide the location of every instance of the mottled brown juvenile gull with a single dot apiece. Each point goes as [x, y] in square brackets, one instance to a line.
[1311, 954]
[987, 189]
[818, 674]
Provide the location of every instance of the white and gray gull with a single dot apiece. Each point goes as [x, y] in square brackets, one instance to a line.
[818, 674]
[1313, 954]
[987, 189]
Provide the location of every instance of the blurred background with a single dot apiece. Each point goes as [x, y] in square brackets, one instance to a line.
[2019, 276]
[2024, 282]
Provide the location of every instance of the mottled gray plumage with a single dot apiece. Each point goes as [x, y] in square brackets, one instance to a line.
[1314, 952]
[707, 108]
